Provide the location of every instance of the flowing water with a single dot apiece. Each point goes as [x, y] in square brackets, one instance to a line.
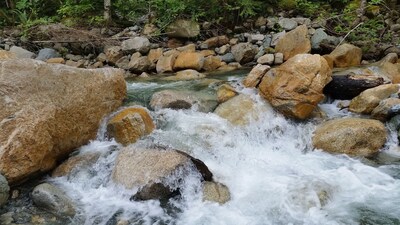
[273, 173]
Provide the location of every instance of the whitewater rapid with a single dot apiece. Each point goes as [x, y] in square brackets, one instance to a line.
[270, 167]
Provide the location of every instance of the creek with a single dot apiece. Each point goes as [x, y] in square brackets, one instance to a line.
[270, 167]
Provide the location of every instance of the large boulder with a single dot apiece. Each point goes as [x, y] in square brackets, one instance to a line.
[189, 60]
[48, 110]
[130, 124]
[183, 29]
[352, 136]
[183, 100]
[346, 55]
[243, 52]
[136, 44]
[4, 190]
[53, 199]
[295, 88]
[294, 42]
[370, 98]
[149, 169]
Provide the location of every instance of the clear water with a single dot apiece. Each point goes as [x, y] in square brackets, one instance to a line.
[273, 173]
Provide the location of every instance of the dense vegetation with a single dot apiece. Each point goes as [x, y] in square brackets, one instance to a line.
[341, 14]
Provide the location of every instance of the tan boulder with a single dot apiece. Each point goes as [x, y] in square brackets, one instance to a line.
[74, 163]
[346, 55]
[183, 29]
[238, 110]
[206, 53]
[7, 55]
[386, 109]
[155, 54]
[166, 62]
[294, 42]
[149, 169]
[212, 63]
[48, 110]
[129, 125]
[255, 75]
[370, 98]
[225, 92]
[352, 136]
[189, 60]
[188, 75]
[295, 87]
[215, 192]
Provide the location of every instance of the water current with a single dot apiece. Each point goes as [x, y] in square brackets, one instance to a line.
[270, 167]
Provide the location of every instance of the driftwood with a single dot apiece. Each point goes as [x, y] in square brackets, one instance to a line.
[348, 86]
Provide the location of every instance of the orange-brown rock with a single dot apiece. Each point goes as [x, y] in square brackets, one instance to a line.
[225, 92]
[166, 62]
[214, 42]
[346, 55]
[295, 87]
[48, 110]
[130, 124]
[189, 60]
[212, 63]
[255, 75]
[294, 42]
[206, 53]
[113, 54]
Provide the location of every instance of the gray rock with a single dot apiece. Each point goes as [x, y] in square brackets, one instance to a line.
[267, 59]
[136, 44]
[244, 52]
[318, 37]
[47, 53]
[73, 57]
[253, 38]
[22, 53]
[271, 22]
[278, 58]
[302, 20]
[395, 27]
[260, 53]
[267, 41]
[228, 57]
[224, 49]
[53, 199]
[4, 190]
[287, 24]
[276, 37]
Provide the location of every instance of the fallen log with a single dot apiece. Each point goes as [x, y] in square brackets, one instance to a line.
[348, 86]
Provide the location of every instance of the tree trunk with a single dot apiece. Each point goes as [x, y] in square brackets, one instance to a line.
[107, 11]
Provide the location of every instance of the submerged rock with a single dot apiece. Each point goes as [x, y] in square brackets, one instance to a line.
[53, 199]
[75, 163]
[215, 192]
[130, 124]
[386, 109]
[149, 169]
[225, 92]
[295, 88]
[352, 136]
[238, 110]
[188, 75]
[370, 98]
[48, 110]
[182, 100]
